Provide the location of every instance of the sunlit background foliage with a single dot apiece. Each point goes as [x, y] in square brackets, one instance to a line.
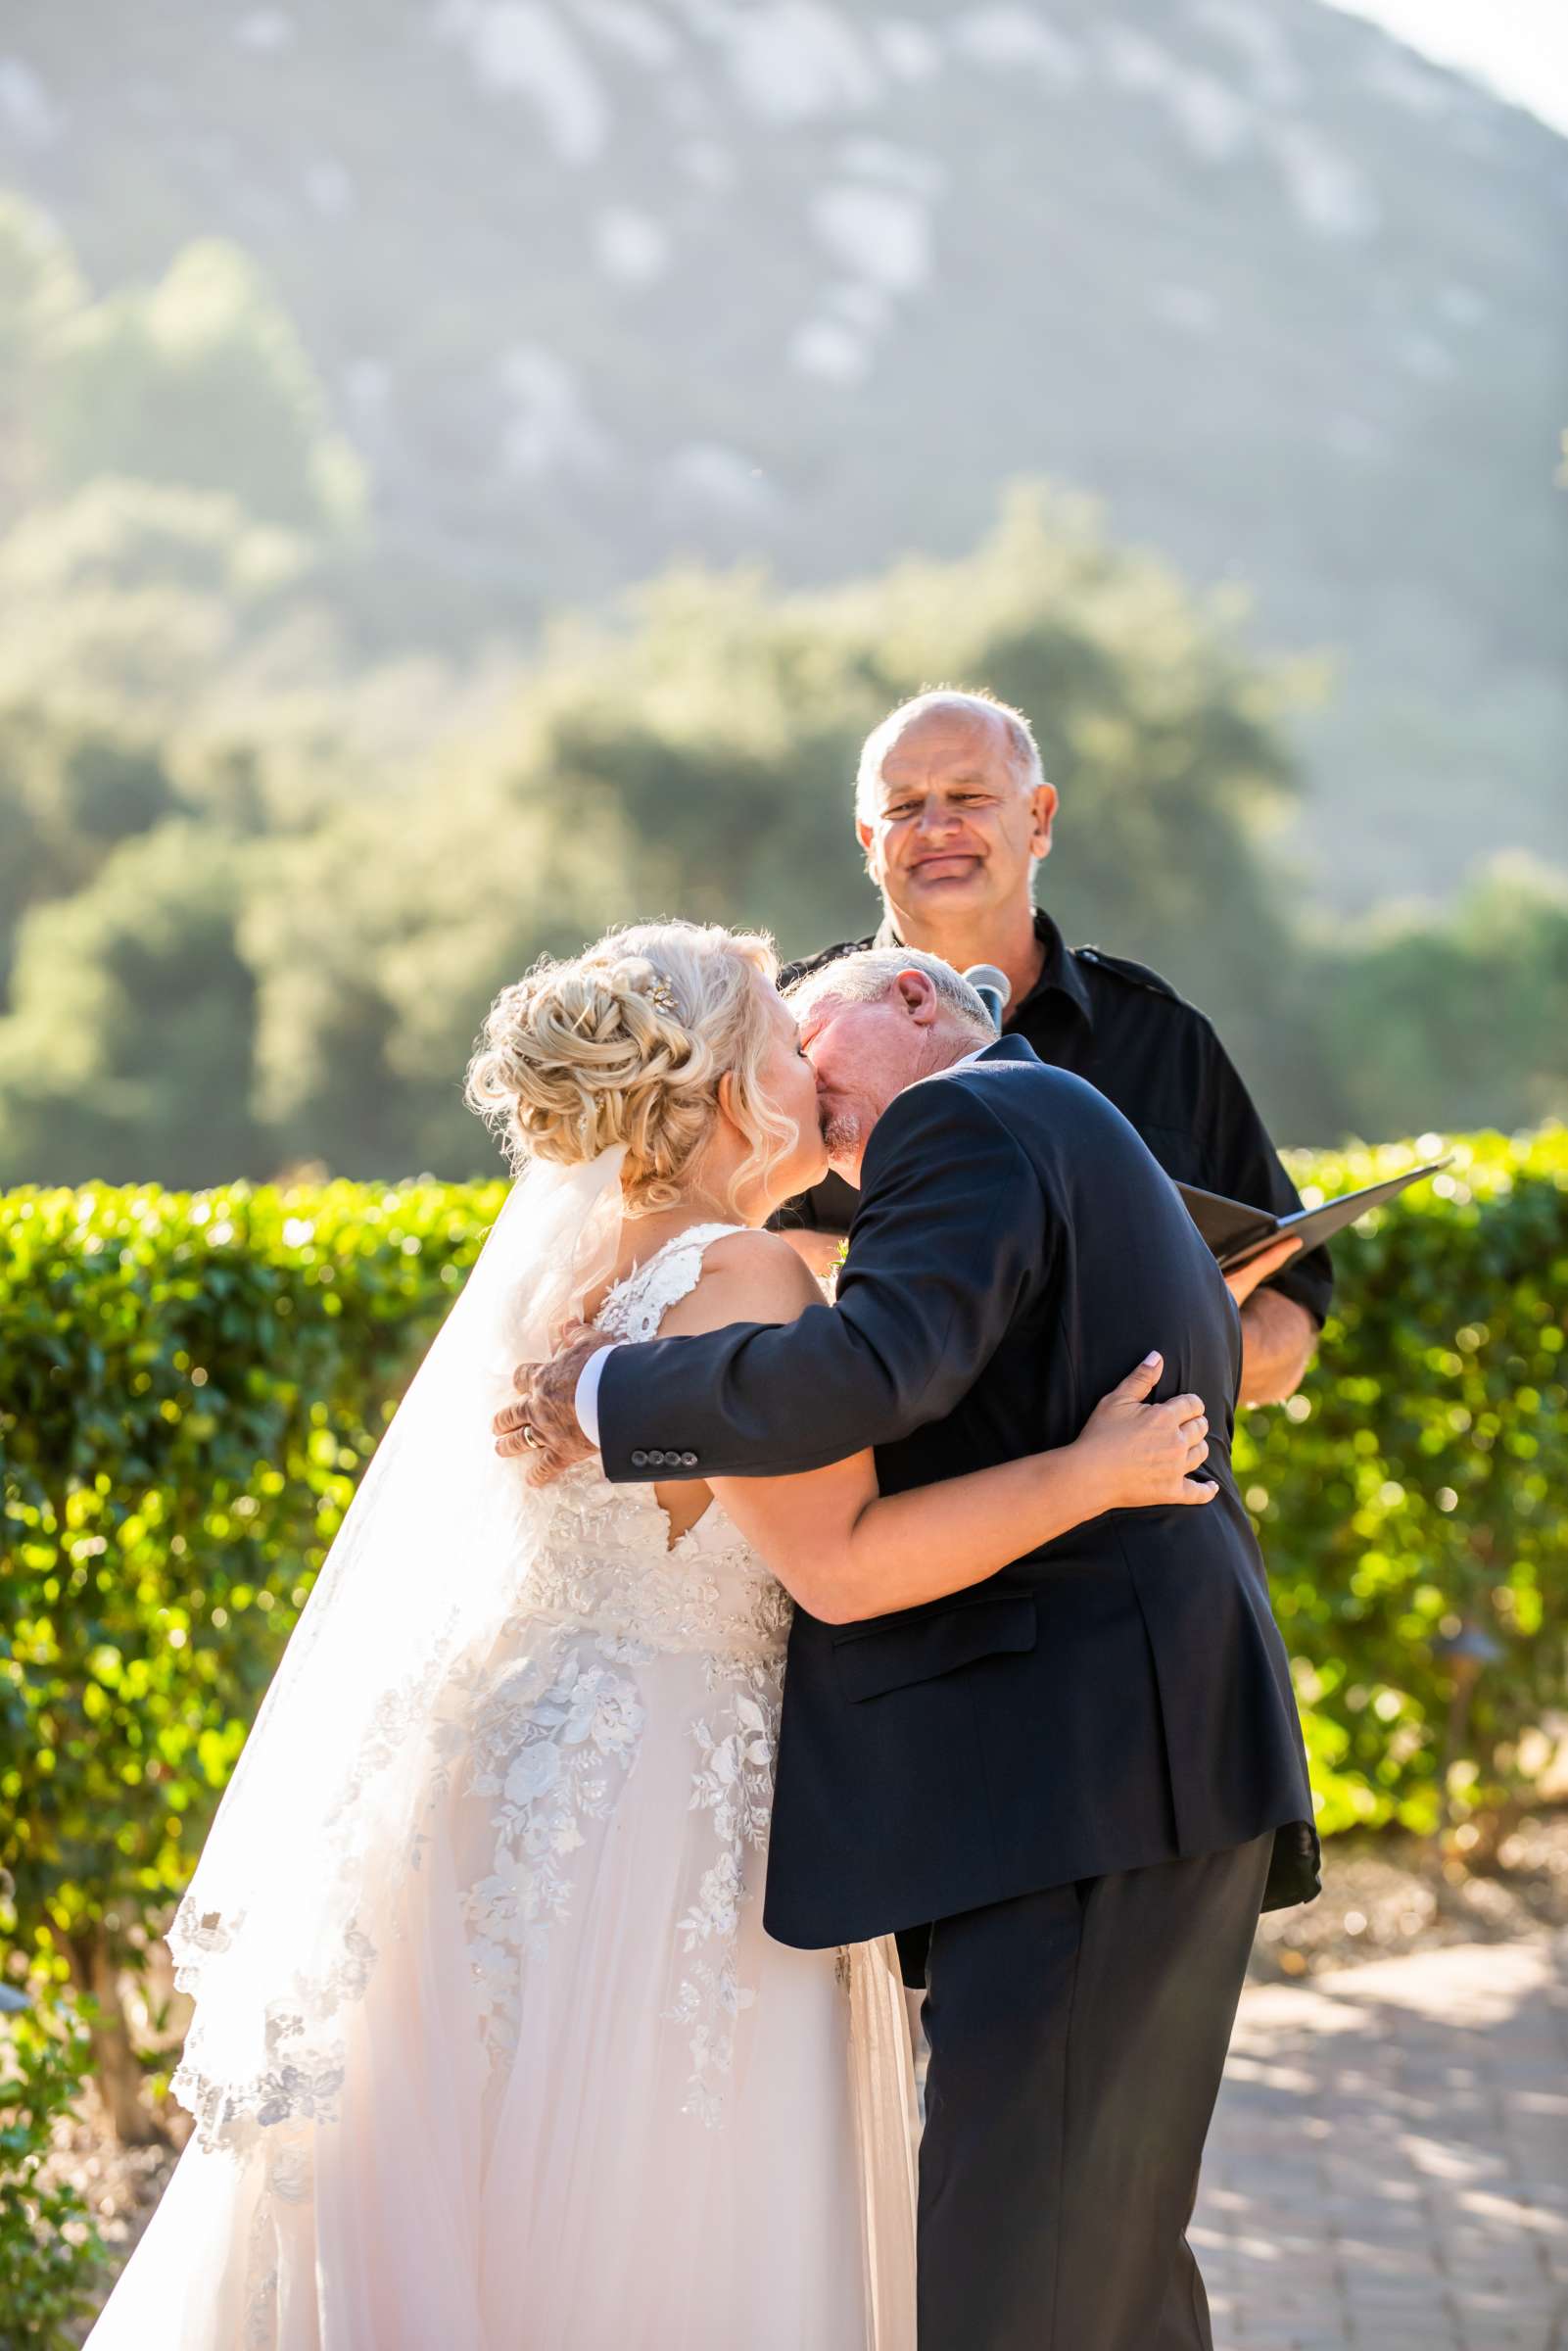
[262, 861]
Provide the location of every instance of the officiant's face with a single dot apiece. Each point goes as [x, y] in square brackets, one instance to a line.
[953, 831]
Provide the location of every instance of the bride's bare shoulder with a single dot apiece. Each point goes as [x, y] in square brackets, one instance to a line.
[764, 1260]
[746, 1278]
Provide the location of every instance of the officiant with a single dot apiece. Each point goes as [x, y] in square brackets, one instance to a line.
[954, 817]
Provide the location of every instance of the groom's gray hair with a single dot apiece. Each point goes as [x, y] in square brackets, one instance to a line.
[865, 977]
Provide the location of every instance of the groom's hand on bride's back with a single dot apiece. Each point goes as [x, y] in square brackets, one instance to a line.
[540, 1429]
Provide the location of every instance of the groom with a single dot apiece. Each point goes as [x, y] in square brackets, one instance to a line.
[1071, 1776]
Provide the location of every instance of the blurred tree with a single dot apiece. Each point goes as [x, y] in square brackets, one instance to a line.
[123, 614]
[201, 381]
[133, 599]
[378, 941]
[1453, 1016]
[69, 788]
[119, 535]
[131, 1041]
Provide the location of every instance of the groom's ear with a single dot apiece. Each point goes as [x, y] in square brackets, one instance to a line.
[918, 996]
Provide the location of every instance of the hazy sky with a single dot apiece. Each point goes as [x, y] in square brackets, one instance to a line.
[1520, 47]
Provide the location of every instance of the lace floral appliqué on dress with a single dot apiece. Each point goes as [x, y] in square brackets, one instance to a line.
[613, 1620]
[734, 1784]
[546, 1758]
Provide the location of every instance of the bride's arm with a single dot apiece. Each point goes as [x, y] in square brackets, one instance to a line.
[847, 1552]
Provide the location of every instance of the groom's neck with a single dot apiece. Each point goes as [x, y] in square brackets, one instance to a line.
[951, 1042]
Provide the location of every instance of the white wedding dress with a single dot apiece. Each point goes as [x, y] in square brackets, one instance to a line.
[587, 2104]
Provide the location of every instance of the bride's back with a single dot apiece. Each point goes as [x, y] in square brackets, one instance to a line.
[660, 1563]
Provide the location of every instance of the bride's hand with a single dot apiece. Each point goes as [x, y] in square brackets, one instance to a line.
[1143, 1454]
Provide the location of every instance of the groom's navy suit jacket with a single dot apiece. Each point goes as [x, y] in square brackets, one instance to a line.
[1119, 1697]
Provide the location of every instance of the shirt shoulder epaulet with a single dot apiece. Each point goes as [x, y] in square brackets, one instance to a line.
[1124, 967]
[804, 965]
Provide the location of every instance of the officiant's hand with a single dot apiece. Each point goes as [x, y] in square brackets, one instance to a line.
[1258, 1270]
[540, 1429]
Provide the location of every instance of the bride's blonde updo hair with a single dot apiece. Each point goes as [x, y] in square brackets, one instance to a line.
[626, 1043]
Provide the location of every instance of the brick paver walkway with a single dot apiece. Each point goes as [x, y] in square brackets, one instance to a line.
[1389, 2164]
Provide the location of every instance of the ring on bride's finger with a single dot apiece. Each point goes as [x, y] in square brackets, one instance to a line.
[531, 1437]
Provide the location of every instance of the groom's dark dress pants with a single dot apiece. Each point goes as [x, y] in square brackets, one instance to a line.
[1077, 2041]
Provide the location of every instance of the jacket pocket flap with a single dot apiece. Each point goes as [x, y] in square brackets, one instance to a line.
[894, 1656]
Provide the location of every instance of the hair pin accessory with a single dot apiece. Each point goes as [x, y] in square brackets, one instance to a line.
[662, 994]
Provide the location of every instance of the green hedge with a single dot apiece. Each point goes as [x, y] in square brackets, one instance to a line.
[1416, 1492]
[192, 1384]
[50, 2252]
[191, 1387]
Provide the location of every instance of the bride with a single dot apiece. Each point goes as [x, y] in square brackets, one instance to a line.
[489, 2048]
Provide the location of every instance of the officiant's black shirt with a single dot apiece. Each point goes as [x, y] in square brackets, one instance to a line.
[1154, 1056]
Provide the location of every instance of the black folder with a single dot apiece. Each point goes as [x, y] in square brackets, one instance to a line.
[1236, 1229]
